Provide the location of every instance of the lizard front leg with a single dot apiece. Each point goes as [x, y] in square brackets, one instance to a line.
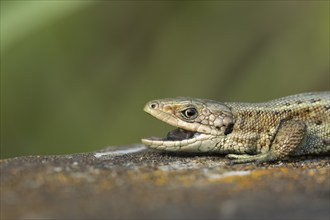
[288, 137]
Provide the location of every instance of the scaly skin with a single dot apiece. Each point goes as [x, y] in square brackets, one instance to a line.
[246, 132]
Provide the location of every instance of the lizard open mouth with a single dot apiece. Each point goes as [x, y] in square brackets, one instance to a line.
[177, 134]
[181, 139]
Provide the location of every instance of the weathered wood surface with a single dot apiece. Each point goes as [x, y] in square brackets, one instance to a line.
[133, 182]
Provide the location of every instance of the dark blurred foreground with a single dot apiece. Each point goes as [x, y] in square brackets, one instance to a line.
[135, 183]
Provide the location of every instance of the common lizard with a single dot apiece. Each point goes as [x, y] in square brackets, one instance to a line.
[246, 132]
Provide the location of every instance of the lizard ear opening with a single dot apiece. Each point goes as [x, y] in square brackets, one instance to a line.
[229, 128]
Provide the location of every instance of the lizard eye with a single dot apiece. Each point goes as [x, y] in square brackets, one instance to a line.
[189, 113]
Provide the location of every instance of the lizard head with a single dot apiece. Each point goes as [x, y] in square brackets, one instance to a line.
[198, 123]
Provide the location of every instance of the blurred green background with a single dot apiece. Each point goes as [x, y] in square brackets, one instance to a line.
[75, 75]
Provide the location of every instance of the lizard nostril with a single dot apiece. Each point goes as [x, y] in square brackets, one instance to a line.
[153, 105]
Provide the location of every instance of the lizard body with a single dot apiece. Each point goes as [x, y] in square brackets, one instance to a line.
[246, 132]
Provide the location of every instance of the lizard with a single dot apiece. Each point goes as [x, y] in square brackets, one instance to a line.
[245, 132]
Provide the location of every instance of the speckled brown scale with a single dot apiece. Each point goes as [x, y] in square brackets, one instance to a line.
[289, 126]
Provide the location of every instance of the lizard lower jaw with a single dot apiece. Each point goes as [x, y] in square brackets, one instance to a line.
[192, 144]
[178, 138]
